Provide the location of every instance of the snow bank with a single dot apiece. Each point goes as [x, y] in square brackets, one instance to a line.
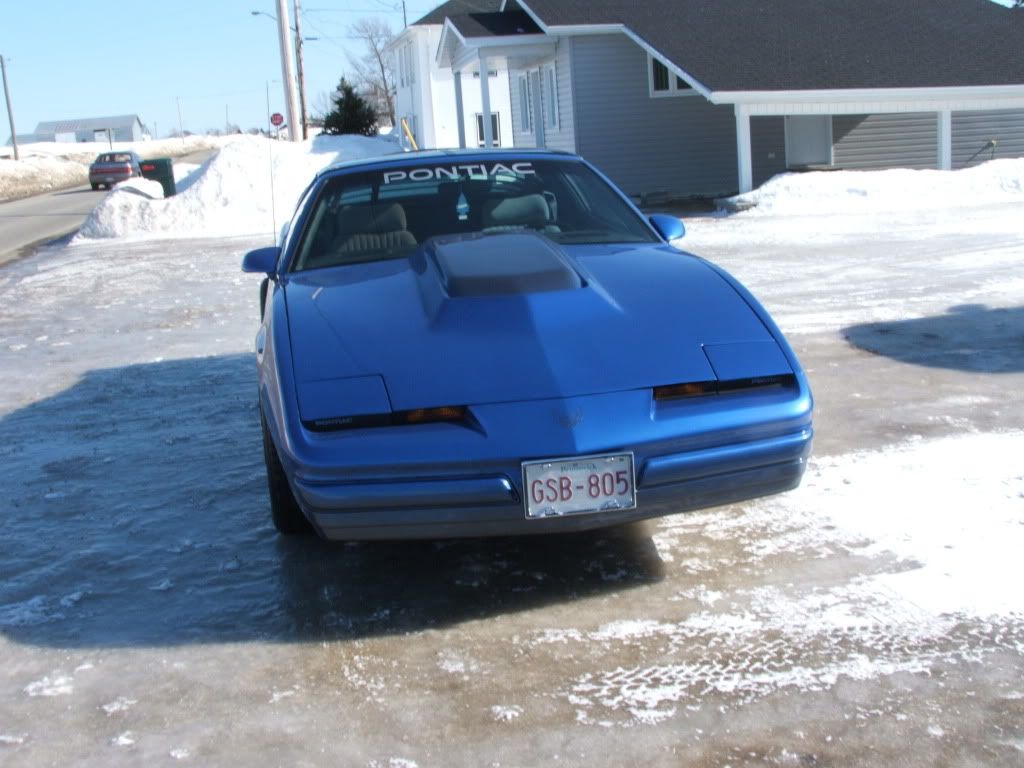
[32, 175]
[230, 194]
[997, 181]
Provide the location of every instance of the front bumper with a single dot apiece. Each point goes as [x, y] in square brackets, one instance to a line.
[490, 504]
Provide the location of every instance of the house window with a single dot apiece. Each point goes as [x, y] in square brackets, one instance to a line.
[410, 64]
[495, 129]
[662, 82]
[490, 73]
[550, 89]
[659, 75]
[524, 104]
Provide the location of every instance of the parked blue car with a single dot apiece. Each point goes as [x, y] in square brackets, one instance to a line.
[475, 343]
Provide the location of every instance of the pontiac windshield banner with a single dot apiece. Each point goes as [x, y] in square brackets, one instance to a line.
[471, 170]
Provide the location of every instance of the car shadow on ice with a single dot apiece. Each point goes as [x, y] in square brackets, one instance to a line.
[137, 515]
[968, 337]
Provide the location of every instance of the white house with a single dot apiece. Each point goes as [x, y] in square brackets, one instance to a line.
[428, 95]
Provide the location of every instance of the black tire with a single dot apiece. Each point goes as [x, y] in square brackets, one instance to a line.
[284, 510]
[95, 187]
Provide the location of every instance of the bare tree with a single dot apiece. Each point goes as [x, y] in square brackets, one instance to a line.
[374, 71]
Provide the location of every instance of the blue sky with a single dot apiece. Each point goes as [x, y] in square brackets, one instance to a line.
[72, 59]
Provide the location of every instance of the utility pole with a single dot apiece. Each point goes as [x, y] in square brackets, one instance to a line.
[181, 127]
[286, 70]
[405, 22]
[10, 112]
[302, 77]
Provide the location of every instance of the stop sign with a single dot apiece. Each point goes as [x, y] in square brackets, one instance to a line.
[277, 119]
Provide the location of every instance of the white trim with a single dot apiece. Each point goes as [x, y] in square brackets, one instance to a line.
[523, 80]
[744, 155]
[549, 92]
[875, 100]
[944, 127]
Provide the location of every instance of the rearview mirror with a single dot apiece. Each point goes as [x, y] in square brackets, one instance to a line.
[262, 260]
[669, 227]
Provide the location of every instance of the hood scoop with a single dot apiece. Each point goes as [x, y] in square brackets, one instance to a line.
[503, 264]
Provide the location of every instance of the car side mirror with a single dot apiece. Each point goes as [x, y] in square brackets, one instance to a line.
[669, 227]
[262, 260]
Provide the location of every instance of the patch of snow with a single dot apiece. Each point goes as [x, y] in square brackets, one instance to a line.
[120, 704]
[60, 685]
[630, 629]
[505, 714]
[126, 739]
[950, 508]
[179, 754]
[12, 741]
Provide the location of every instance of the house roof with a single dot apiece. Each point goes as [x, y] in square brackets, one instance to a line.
[784, 45]
[457, 8]
[87, 124]
[494, 24]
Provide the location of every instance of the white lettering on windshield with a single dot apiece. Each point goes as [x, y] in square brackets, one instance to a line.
[451, 172]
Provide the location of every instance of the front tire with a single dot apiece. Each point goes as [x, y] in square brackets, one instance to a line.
[284, 510]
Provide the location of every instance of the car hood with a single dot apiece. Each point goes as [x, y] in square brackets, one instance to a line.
[434, 332]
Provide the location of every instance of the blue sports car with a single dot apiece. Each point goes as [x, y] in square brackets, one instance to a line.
[471, 343]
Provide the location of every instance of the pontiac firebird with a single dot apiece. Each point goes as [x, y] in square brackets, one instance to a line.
[474, 343]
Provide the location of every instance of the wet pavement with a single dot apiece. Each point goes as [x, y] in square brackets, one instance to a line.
[150, 615]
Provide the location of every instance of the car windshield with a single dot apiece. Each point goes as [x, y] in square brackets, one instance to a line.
[119, 157]
[388, 213]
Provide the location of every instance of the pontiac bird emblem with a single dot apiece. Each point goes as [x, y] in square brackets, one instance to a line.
[569, 419]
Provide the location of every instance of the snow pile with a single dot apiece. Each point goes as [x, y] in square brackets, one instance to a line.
[32, 175]
[899, 189]
[231, 193]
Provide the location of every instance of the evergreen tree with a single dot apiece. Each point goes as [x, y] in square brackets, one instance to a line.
[351, 113]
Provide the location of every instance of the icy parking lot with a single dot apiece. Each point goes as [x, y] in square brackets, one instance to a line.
[150, 615]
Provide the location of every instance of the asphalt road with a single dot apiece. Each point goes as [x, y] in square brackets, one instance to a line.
[36, 220]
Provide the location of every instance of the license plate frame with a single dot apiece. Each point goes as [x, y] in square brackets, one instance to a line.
[578, 470]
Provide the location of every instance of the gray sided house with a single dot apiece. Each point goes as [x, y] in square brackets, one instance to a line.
[683, 98]
[121, 128]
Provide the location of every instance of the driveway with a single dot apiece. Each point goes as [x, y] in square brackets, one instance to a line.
[149, 614]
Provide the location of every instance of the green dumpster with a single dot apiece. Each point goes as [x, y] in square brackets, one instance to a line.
[160, 169]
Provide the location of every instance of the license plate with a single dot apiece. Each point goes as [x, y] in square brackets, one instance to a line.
[579, 485]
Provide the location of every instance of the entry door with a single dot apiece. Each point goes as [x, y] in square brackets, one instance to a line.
[808, 140]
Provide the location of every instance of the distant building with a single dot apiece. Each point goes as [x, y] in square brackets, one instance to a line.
[121, 128]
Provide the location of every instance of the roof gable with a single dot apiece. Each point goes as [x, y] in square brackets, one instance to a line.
[457, 8]
[782, 45]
